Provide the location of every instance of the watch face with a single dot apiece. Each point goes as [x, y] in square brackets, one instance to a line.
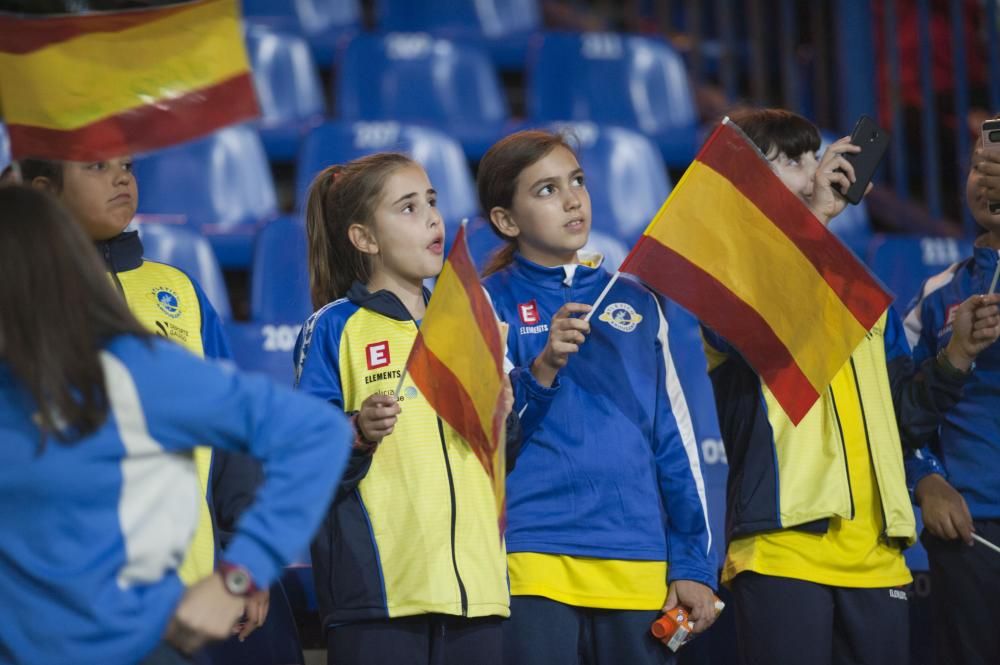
[237, 581]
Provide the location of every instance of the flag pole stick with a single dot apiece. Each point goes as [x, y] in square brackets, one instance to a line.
[996, 276]
[988, 544]
[600, 298]
[399, 386]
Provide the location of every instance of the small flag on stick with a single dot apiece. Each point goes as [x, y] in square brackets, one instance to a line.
[739, 250]
[457, 363]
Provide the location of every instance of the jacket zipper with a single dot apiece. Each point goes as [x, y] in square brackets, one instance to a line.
[843, 447]
[111, 269]
[868, 442]
[454, 519]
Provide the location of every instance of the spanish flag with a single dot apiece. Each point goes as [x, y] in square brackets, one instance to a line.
[88, 86]
[739, 250]
[457, 362]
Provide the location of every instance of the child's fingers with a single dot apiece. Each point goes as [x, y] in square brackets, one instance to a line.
[565, 348]
[846, 167]
[571, 336]
[569, 309]
[579, 325]
[378, 399]
[840, 179]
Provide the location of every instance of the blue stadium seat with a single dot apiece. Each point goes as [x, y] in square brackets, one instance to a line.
[626, 176]
[185, 249]
[324, 23]
[503, 26]
[220, 185]
[483, 241]
[416, 78]
[279, 275]
[265, 348]
[904, 262]
[288, 89]
[853, 227]
[4, 147]
[608, 78]
[440, 155]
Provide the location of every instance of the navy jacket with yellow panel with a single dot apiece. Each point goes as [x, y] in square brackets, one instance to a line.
[783, 475]
[413, 526]
[170, 303]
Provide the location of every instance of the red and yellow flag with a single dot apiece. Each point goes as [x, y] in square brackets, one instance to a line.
[738, 249]
[457, 362]
[101, 84]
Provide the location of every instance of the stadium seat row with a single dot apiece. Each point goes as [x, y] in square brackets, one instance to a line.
[451, 84]
[503, 26]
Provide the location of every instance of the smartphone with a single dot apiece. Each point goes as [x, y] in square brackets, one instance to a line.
[873, 141]
[991, 141]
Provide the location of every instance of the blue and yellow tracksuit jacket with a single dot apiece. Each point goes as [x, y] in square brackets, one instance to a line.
[787, 476]
[966, 448]
[413, 527]
[609, 465]
[171, 304]
[92, 532]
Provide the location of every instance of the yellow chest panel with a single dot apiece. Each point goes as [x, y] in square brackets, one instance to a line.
[408, 490]
[164, 300]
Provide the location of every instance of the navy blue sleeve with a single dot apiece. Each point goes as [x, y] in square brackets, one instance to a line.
[921, 394]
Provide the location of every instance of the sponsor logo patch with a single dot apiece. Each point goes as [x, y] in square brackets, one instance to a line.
[167, 301]
[621, 316]
[377, 354]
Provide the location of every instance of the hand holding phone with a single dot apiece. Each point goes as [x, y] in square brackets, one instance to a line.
[873, 142]
[991, 142]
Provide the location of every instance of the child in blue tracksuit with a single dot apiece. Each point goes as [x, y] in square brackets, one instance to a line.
[956, 479]
[606, 506]
[98, 422]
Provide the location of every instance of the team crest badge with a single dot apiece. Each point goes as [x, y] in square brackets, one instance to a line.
[167, 301]
[621, 316]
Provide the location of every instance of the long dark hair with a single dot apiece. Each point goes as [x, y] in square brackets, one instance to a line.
[57, 308]
[496, 180]
[339, 196]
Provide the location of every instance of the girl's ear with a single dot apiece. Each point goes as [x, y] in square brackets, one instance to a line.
[362, 239]
[504, 222]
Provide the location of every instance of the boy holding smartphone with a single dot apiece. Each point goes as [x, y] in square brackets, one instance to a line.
[956, 479]
[818, 513]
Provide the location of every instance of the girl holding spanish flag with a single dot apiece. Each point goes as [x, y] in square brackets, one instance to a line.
[607, 522]
[409, 565]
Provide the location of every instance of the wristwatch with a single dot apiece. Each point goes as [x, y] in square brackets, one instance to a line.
[237, 579]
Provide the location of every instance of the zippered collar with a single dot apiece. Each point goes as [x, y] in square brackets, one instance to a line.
[576, 275]
[382, 302]
[985, 259]
[121, 253]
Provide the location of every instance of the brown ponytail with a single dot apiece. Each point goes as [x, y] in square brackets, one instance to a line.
[496, 180]
[339, 197]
